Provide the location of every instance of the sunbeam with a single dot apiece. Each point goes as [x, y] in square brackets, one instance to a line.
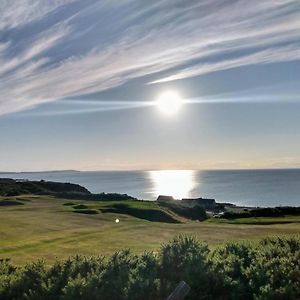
[68, 107]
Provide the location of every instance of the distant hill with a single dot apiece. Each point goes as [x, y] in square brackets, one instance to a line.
[12, 187]
[46, 171]
[16, 187]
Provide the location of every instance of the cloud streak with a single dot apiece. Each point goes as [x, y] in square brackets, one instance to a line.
[50, 50]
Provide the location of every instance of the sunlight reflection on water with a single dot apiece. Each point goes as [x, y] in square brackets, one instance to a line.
[176, 183]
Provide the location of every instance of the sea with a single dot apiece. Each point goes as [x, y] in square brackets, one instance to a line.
[264, 188]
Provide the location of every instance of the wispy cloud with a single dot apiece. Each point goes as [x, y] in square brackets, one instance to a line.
[17, 13]
[51, 50]
[272, 55]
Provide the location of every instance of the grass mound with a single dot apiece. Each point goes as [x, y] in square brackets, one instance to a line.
[146, 213]
[192, 213]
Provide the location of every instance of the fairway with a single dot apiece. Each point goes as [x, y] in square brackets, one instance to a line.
[46, 228]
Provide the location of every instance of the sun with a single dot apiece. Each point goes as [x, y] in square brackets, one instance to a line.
[169, 103]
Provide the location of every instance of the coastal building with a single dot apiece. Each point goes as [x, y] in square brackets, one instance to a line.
[203, 202]
[162, 198]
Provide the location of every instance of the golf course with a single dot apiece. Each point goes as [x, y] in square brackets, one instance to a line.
[42, 226]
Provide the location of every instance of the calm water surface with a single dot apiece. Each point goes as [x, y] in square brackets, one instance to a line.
[242, 187]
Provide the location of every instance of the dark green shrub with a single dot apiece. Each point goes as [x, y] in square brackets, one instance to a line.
[25, 283]
[145, 282]
[112, 282]
[269, 269]
[66, 278]
[185, 258]
[230, 264]
[75, 289]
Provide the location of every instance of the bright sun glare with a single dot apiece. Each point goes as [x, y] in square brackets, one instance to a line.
[169, 103]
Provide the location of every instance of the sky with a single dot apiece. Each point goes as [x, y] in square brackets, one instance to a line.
[80, 80]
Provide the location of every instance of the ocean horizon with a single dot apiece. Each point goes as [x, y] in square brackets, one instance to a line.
[247, 187]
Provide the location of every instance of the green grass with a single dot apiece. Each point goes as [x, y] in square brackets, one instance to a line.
[257, 220]
[45, 228]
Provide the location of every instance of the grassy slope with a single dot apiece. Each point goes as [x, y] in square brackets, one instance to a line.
[44, 227]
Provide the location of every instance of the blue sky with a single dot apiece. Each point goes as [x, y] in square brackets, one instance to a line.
[78, 80]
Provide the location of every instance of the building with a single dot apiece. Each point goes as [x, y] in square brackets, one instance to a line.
[162, 198]
[207, 204]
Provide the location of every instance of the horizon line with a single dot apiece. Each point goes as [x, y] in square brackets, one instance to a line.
[154, 169]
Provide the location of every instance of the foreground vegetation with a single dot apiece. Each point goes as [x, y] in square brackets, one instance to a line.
[267, 269]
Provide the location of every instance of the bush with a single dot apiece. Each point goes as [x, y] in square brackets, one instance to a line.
[268, 269]
[186, 259]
